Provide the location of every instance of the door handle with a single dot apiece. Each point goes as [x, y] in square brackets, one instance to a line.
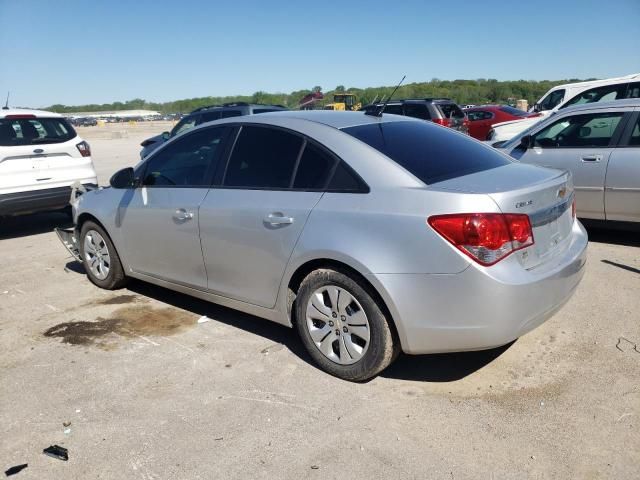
[591, 158]
[182, 215]
[278, 218]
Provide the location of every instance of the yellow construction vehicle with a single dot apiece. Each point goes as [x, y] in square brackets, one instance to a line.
[344, 101]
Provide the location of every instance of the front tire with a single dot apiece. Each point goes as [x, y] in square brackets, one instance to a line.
[100, 258]
[343, 327]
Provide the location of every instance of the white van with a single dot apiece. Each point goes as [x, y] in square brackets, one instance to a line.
[567, 95]
[41, 156]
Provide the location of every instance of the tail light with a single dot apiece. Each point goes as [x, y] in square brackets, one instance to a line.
[445, 122]
[485, 237]
[84, 149]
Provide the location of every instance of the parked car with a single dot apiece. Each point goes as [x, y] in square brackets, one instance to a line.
[481, 118]
[564, 96]
[41, 156]
[369, 235]
[600, 145]
[203, 115]
[442, 111]
[86, 122]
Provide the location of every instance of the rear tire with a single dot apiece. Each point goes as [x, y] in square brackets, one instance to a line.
[100, 258]
[343, 327]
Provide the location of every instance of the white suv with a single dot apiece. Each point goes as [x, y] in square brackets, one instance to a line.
[563, 96]
[41, 156]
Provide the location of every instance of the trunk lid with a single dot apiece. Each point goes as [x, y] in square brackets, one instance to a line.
[544, 194]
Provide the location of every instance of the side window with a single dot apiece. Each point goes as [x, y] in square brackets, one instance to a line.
[479, 115]
[185, 124]
[314, 168]
[633, 91]
[263, 158]
[394, 109]
[345, 180]
[417, 110]
[634, 140]
[187, 161]
[589, 130]
[552, 100]
[607, 93]
[210, 116]
[231, 113]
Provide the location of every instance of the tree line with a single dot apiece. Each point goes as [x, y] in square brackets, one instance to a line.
[479, 91]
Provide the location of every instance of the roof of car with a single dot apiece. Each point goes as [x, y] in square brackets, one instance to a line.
[625, 103]
[27, 111]
[236, 105]
[335, 119]
[598, 82]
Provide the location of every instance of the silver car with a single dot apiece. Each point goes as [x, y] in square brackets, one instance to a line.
[370, 235]
[600, 144]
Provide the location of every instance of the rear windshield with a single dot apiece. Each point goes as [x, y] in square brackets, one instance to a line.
[34, 131]
[431, 153]
[450, 110]
[514, 111]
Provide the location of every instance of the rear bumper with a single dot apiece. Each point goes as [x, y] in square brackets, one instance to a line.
[480, 308]
[20, 203]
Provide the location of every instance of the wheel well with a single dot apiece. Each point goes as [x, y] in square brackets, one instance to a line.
[322, 263]
[87, 216]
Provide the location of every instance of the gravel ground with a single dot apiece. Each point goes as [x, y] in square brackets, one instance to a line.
[150, 393]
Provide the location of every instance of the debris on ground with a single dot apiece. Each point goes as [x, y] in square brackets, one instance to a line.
[66, 424]
[56, 451]
[15, 469]
[624, 344]
[314, 467]
[204, 319]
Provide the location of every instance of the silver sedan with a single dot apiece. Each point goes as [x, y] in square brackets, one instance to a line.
[369, 234]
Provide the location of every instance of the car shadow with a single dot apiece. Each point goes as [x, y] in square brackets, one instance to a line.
[34, 224]
[442, 367]
[600, 233]
[445, 367]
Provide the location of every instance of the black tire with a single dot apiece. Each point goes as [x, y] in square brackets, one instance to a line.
[116, 278]
[383, 346]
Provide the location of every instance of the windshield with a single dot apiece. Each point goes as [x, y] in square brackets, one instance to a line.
[431, 153]
[183, 125]
[34, 131]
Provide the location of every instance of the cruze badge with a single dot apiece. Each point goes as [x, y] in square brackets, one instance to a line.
[524, 204]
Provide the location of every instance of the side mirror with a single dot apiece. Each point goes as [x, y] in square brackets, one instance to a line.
[166, 136]
[525, 142]
[122, 178]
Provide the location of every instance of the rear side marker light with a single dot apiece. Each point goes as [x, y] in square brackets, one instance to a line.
[485, 237]
[84, 149]
[573, 208]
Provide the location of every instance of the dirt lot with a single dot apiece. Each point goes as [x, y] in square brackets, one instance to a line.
[152, 394]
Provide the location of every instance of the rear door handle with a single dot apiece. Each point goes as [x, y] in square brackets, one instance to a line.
[591, 158]
[182, 215]
[278, 218]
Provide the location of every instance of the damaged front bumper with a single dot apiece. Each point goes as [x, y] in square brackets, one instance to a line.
[69, 236]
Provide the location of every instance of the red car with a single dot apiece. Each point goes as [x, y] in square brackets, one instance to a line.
[482, 118]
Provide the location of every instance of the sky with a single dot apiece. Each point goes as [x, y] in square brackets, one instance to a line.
[76, 52]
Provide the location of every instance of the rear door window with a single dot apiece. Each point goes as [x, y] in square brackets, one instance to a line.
[430, 153]
[265, 110]
[394, 109]
[314, 168]
[231, 113]
[34, 131]
[263, 158]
